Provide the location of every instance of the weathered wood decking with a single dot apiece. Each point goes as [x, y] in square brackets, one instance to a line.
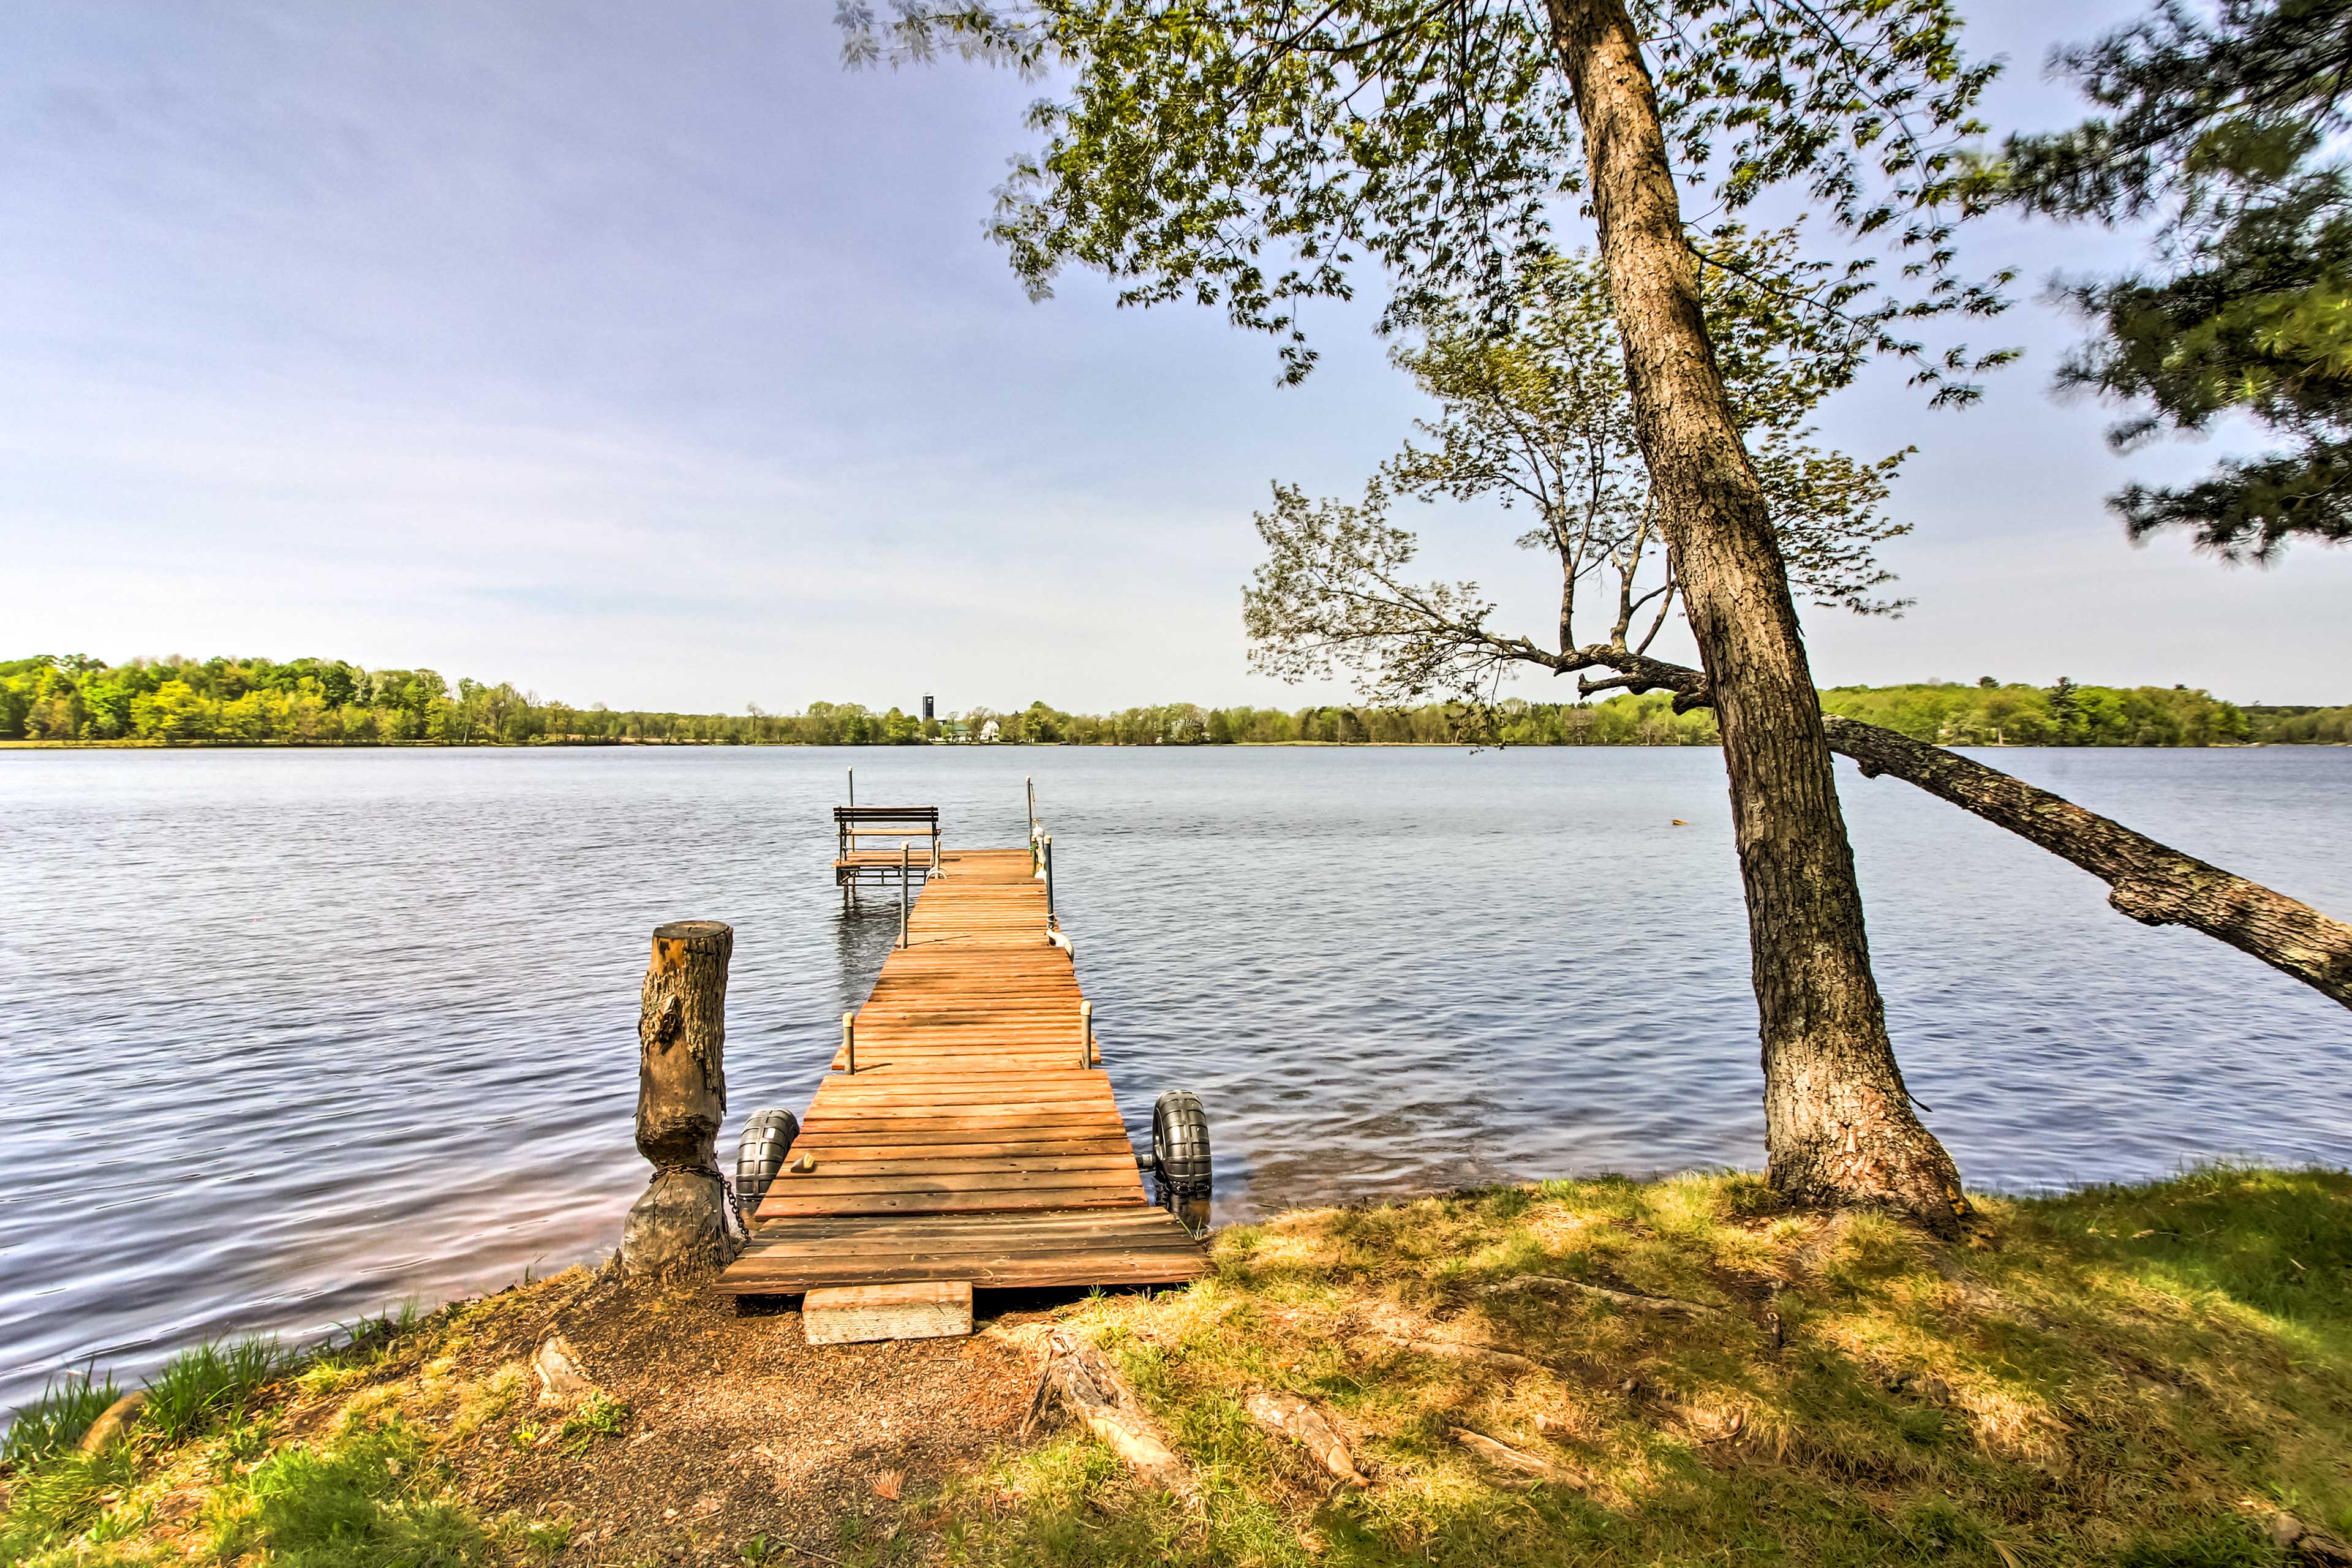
[970, 1143]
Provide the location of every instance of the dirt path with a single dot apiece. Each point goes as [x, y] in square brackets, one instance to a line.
[737, 1428]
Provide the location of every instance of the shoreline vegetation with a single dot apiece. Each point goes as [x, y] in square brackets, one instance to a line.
[78, 700]
[1599, 1372]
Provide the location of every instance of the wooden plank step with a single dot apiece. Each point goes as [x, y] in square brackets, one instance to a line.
[995, 1251]
[1001, 1232]
[894, 1088]
[902, 1201]
[748, 1278]
[842, 1148]
[950, 1159]
[946, 1181]
[890, 1110]
[856, 1315]
[997, 1232]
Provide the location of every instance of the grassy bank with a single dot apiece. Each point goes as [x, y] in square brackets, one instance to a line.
[2138, 1377]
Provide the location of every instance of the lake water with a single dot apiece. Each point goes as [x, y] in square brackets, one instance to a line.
[291, 1036]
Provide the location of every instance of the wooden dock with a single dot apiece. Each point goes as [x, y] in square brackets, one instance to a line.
[977, 1138]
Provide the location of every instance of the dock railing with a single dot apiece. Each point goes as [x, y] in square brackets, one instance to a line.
[1036, 830]
[1040, 867]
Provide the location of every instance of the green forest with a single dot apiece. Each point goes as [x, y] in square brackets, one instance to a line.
[329, 702]
[1994, 713]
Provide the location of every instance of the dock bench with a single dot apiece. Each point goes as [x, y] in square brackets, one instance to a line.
[869, 839]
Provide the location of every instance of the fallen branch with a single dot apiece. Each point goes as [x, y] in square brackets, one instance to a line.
[1093, 1394]
[1287, 1415]
[1664, 1306]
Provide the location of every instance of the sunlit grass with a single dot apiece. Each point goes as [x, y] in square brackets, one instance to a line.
[2125, 1375]
[362, 1500]
[212, 1384]
[2129, 1377]
[207, 1436]
[59, 1499]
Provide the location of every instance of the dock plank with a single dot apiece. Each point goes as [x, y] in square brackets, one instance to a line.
[969, 1144]
[993, 1251]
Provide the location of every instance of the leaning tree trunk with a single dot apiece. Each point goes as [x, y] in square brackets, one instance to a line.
[2153, 883]
[1838, 1122]
[680, 1220]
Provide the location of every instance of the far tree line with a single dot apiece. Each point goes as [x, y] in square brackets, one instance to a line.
[314, 701]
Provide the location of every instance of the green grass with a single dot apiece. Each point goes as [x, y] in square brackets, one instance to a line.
[2123, 1377]
[2133, 1377]
[208, 1441]
[365, 1499]
[200, 1388]
[365, 1341]
[59, 1499]
[599, 1416]
[56, 1420]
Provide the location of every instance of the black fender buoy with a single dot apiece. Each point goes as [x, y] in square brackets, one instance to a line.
[1179, 1142]
[766, 1142]
[1180, 1155]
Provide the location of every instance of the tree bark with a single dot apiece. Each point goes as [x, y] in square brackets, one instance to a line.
[2154, 884]
[1838, 1121]
[680, 1220]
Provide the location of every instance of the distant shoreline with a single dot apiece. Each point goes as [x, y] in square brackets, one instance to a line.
[331, 702]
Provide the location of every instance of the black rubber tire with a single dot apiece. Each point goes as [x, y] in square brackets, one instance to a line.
[766, 1144]
[1179, 1143]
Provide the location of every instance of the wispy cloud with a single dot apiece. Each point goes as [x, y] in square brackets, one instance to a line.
[647, 356]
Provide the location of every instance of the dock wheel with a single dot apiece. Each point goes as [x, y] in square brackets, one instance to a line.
[1180, 1156]
[766, 1141]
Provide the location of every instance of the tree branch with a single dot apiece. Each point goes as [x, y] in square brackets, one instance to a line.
[2154, 883]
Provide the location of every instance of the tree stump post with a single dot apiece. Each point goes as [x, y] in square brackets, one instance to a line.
[681, 1221]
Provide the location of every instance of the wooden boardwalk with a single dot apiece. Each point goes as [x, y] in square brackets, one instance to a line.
[972, 1142]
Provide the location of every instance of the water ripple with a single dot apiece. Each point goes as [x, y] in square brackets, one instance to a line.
[293, 1035]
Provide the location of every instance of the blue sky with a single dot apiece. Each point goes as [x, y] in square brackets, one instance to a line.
[643, 355]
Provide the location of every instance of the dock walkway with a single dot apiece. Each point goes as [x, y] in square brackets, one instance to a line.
[970, 1143]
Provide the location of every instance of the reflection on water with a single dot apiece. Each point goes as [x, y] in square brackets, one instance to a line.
[293, 1035]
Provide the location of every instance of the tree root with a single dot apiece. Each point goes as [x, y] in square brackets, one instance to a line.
[1511, 1458]
[1287, 1415]
[1086, 1385]
[1664, 1306]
